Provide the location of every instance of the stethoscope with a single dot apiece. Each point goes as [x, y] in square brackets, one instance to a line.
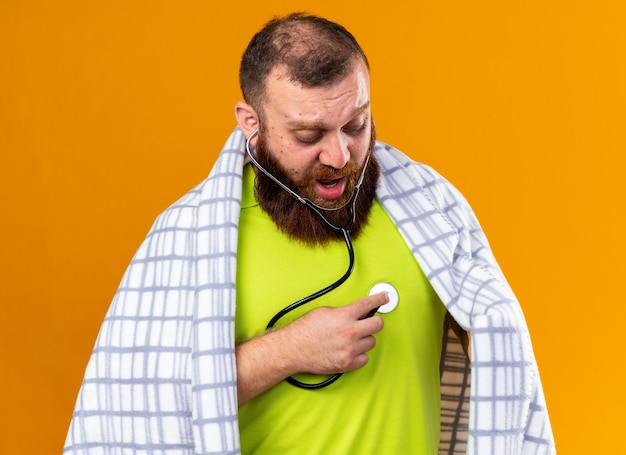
[345, 230]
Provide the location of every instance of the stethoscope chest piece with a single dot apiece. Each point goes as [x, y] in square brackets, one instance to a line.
[390, 291]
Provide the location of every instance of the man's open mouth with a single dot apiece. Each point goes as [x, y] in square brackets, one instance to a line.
[330, 188]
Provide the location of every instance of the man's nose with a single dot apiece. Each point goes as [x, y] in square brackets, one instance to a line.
[335, 152]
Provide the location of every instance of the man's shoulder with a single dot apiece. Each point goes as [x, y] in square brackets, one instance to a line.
[221, 187]
[180, 215]
[395, 162]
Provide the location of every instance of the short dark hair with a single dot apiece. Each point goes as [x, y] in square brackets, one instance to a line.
[314, 52]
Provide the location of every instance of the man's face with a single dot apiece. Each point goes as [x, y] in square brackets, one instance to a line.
[319, 136]
[316, 141]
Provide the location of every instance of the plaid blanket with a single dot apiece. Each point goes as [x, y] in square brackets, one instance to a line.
[162, 379]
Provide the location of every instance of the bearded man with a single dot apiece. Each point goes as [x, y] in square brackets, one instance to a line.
[303, 298]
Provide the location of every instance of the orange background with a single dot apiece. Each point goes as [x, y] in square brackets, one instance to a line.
[109, 111]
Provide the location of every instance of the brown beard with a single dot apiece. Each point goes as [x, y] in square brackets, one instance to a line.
[298, 221]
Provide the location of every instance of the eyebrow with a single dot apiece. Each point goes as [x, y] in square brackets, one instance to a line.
[318, 125]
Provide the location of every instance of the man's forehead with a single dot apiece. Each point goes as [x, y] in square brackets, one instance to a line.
[281, 92]
[360, 110]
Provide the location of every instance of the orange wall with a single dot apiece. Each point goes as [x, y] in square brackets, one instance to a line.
[111, 110]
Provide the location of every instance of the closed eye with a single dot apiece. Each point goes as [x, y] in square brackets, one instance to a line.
[312, 139]
[355, 131]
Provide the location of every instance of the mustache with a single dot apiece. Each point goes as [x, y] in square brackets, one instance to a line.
[324, 172]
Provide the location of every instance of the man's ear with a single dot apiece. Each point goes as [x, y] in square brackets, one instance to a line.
[247, 118]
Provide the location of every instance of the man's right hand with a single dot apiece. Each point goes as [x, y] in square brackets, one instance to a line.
[327, 340]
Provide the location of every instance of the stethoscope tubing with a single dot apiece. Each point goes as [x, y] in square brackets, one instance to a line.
[345, 230]
[321, 292]
[291, 380]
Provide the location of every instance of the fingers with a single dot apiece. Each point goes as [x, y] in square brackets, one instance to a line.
[361, 358]
[367, 305]
[359, 362]
[366, 344]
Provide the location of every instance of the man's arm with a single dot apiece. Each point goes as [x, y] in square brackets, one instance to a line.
[324, 341]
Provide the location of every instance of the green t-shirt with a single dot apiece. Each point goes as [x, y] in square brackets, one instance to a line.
[389, 406]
